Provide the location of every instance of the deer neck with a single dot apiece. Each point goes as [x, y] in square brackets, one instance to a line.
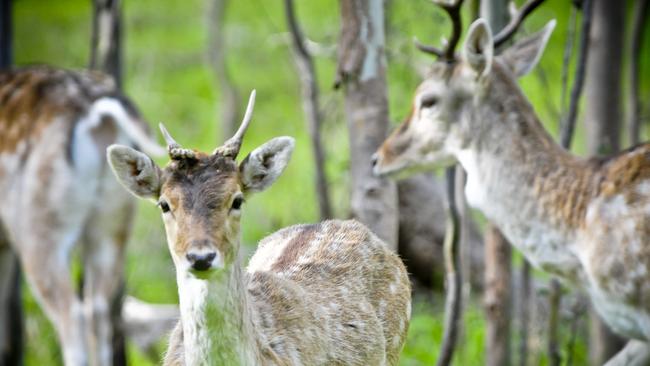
[217, 326]
[525, 183]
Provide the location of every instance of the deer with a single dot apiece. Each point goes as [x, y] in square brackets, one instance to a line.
[59, 194]
[587, 221]
[329, 293]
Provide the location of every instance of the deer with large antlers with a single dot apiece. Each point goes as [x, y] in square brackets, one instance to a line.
[586, 221]
[58, 194]
[322, 294]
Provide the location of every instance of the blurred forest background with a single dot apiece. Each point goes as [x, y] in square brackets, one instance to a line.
[170, 75]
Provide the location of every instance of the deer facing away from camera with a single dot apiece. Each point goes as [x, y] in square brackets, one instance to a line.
[587, 221]
[323, 294]
[58, 194]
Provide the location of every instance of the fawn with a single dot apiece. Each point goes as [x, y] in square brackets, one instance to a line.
[323, 294]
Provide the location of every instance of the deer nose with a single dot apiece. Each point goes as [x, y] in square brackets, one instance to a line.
[374, 159]
[201, 262]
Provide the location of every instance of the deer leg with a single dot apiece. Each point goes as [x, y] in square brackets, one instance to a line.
[105, 237]
[45, 261]
[635, 353]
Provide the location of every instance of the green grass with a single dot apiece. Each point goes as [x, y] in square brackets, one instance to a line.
[168, 76]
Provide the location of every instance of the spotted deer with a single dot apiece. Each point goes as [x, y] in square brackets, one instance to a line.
[584, 220]
[323, 294]
[58, 194]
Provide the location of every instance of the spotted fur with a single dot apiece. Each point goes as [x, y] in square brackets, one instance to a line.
[330, 293]
[585, 220]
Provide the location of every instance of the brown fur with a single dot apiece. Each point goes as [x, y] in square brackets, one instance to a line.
[587, 221]
[58, 196]
[322, 294]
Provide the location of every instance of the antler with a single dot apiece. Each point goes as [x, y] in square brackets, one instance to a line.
[231, 147]
[515, 22]
[452, 7]
[176, 152]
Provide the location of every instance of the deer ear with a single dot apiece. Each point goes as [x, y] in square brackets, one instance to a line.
[525, 54]
[135, 171]
[479, 48]
[265, 164]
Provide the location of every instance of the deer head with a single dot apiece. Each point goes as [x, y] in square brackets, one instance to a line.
[201, 195]
[446, 110]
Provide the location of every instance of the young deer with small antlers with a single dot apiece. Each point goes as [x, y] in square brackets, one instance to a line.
[323, 294]
[587, 221]
[58, 193]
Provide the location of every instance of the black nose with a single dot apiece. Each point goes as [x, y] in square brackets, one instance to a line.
[201, 262]
[373, 159]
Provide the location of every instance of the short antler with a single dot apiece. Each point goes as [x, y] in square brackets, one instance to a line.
[176, 152]
[231, 147]
[452, 7]
[515, 22]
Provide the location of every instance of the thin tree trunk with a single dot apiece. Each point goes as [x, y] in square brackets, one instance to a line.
[453, 275]
[311, 107]
[553, 344]
[361, 72]
[603, 120]
[497, 298]
[11, 349]
[106, 55]
[106, 42]
[603, 88]
[568, 125]
[498, 256]
[524, 313]
[634, 107]
[230, 98]
[6, 34]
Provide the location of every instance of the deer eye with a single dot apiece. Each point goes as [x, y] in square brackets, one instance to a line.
[164, 206]
[428, 101]
[237, 202]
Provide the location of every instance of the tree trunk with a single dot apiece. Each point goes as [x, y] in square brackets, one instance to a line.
[497, 298]
[634, 108]
[311, 107]
[230, 100]
[106, 42]
[603, 88]
[106, 55]
[11, 341]
[498, 256]
[453, 275]
[361, 72]
[6, 34]
[603, 120]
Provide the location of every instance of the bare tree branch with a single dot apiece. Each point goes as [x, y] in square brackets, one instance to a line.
[311, 106]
